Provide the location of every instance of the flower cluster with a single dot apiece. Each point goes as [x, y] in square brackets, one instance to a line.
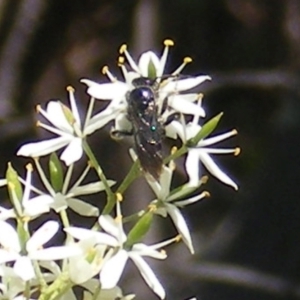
[149, 104]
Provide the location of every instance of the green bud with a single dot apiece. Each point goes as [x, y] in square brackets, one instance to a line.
[13, 184]
[56, 172]
[139, 230]
[206, 130]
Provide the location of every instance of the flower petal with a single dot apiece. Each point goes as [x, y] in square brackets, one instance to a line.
[23, 267]
[184, 106]
[83, 208]
[106, 91]
[145, 60]
[8, 237]
[112, 270]
[42, 235]
[44, 147]
[181, 225]
[55, 253]
[192, 167]
[148, 275]
[73, 152]
[213, 168]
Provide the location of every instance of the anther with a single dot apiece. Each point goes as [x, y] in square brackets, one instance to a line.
[187, 60]
[121, 60]
[70, 89]
[123, 48]
[206, 194]
[38, 108]
[104, 70]
[237, 151]
[204, 179]
[119, 197]
[29, 167]
[168, 43]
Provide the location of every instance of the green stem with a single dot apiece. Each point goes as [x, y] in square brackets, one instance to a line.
[110, 195]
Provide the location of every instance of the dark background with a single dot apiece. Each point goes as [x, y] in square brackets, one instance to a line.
[247, 242]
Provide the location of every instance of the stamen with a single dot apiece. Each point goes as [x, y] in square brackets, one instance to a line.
[152, 207]
[174, 150]
[133, 65]
[38, 124]
[105, 71]
[186, 61]
[38, 108]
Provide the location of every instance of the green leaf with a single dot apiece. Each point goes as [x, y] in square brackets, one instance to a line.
[206, 130]
[56, 172]
[139, 230]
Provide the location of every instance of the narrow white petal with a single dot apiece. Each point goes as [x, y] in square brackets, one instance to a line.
[145, 250]
[3, 182]
[106, 91]
[6, 256]
[112, 270]
[83, 208]
[99, 237]
[73, 152]
[74, 108]
[217, 138]
[148, 275]
[56, 116]
[181, 225]
[213, 168]
[37, 205]
[110, 225]
[145, 60]
[8, 237]
[44, 147]
[185, 106]
[192, 167]
[42, 235]
[185, 84]
[6, 213]
[90, 188]
[81, 270]
[55, 253]
[23, 267]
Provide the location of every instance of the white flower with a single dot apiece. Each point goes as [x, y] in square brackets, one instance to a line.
[116, 258]
[67, 125]
[150, 66]
[167, 202]
[12, 248]
[30, 207]
[69, 196]
[201, 151]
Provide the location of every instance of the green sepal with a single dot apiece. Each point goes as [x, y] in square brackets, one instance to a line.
[13, 184]
[206, 130]
[139, 230]
[56, 172]
[151, 70]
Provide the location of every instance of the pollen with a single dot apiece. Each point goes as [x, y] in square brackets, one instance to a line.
[104, 70]
[38, 124]
[237, 151]
[187, 60]
[174, 150]
[123, 49]
[234, 131]
[168, 42]
[70, 89]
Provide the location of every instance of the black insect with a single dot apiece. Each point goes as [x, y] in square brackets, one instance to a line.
[147, 127]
